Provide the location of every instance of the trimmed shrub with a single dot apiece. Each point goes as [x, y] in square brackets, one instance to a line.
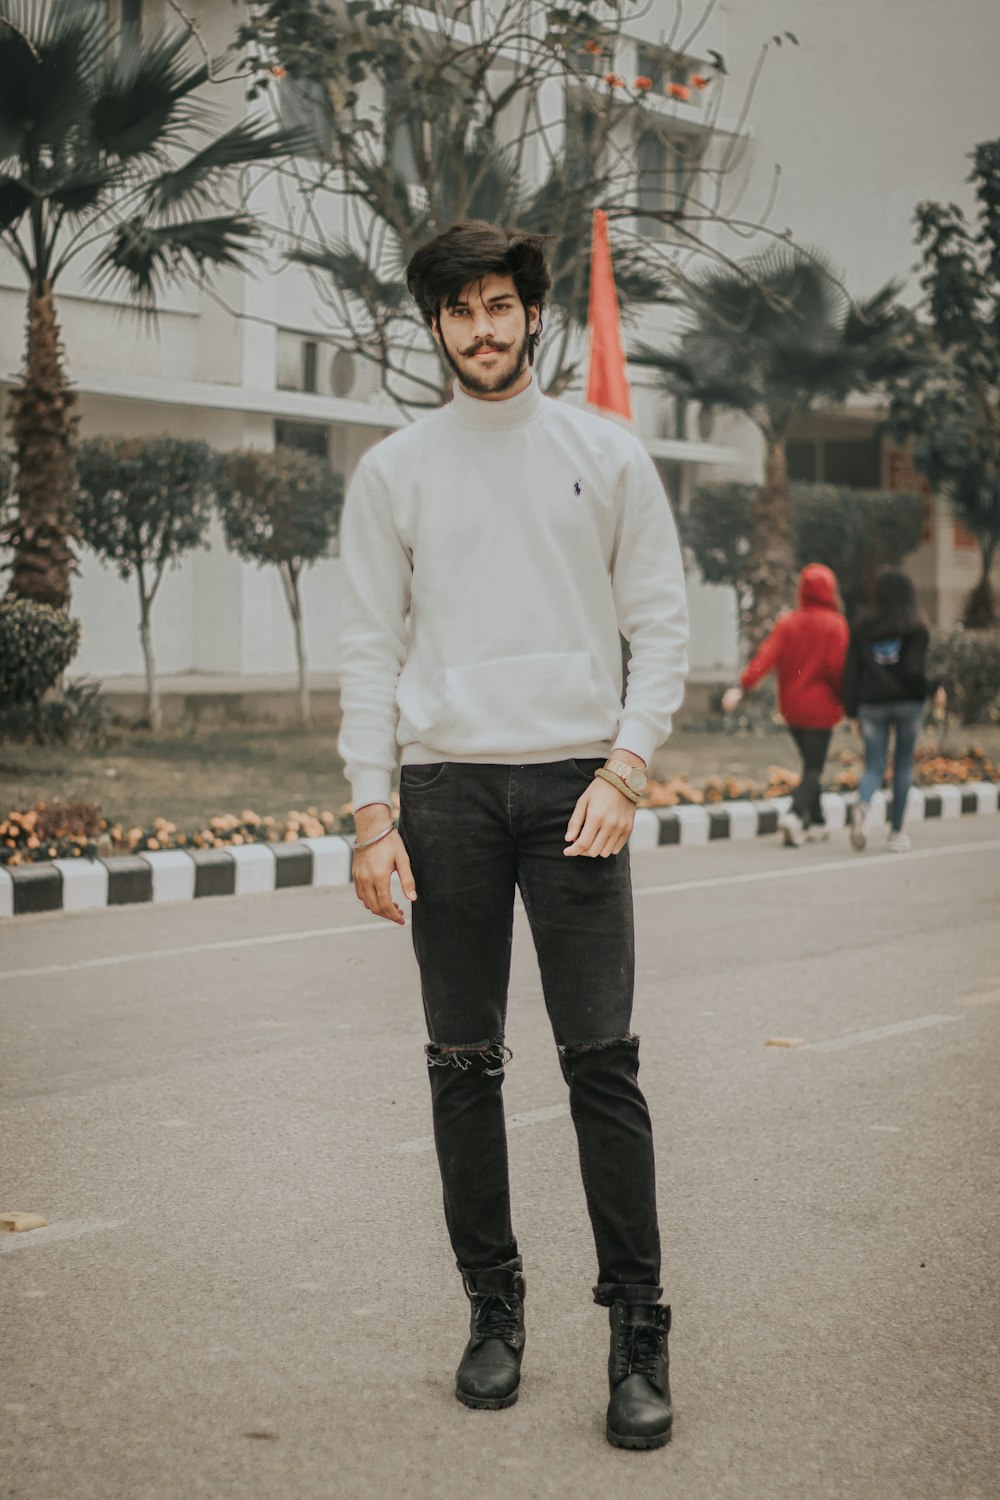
[968, 663]
[37, 644]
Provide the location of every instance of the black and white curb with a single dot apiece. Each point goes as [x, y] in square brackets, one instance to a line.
[239, 870]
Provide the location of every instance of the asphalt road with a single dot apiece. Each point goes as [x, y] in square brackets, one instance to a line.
[246, 1291]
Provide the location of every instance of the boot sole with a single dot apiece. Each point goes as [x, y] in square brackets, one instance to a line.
[487, 1403]
[617, 1441]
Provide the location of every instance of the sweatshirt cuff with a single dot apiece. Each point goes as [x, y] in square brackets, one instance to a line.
[638, 737]
[371, 786]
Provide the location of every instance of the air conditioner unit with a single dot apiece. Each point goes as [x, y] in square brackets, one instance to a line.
[350, 376]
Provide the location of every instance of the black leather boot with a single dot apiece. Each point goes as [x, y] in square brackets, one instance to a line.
[490, 1371]
[639, 1412]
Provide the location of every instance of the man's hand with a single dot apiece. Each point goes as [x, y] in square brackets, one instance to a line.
[372, 868]
[602, 820]
[731, 699]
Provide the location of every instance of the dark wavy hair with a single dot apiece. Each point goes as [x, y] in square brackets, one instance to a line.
[895, 608]
[471, 250]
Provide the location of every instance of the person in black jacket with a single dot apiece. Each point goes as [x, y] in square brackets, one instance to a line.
[886, 688]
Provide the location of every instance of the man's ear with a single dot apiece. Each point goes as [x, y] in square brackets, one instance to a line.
[436, 329]
[533, 316]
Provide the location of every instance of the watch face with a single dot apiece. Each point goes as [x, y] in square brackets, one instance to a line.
[636, 779]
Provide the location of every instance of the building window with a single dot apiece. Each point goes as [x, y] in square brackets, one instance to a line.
[303, 103]
[665, 169]
[854, 463]
[310, 350]
[309, 437]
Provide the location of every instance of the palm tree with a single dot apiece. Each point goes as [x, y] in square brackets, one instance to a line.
[99, 155]
[771, 338]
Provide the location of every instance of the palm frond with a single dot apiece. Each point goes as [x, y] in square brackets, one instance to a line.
[47, 85]
[141, 102]
[15, 200]
[146, 258]
[249, 143]
[355, 277]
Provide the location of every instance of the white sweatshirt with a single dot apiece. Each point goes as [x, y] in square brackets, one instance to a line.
[490, 554]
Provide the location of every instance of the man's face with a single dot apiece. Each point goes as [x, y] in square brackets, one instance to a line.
[484, 337]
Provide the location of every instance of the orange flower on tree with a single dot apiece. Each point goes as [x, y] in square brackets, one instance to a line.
[615, 80]
[277, 71]
[642, 83]
[698, 82]
[592, 47]
[678, 91]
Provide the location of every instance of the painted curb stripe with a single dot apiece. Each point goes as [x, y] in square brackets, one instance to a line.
[130, 879]
[294, 865]
[36, 887]
[215, 873]
[670, 828]
[227, 871]
[767, 820]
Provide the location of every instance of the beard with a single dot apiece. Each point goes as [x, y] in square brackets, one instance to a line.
[501, 379]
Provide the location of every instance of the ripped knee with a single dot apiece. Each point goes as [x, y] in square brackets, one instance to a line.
[487, 1058]
[571, 1054]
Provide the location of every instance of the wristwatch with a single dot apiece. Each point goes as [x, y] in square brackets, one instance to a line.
[633, 778]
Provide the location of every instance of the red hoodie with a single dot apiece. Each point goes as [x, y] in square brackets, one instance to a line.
[807, 648]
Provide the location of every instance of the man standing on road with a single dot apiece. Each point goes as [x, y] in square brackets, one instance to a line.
[491, 554]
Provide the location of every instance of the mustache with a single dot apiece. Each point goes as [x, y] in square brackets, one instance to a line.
[477, 348]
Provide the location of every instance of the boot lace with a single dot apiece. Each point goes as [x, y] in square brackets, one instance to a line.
[496, 1317]
[639, 1350]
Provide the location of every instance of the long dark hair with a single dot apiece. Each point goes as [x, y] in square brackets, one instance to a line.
[470, 251]
[895, 608]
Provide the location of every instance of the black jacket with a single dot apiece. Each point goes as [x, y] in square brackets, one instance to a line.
[883, 668]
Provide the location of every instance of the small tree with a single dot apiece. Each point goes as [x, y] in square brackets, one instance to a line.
[854, 532]
[282, 508]
[950, 403]
[143, 503]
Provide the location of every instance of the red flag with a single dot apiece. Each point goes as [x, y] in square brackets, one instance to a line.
[607, 382]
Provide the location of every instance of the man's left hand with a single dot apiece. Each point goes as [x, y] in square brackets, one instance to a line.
[601, 822]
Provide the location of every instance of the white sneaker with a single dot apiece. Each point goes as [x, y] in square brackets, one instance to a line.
[859, 825]
[790, 827]
[899, 843]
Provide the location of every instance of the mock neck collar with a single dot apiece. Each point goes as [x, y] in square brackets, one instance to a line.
[497, 416]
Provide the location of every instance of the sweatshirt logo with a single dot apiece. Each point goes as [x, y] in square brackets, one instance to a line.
[576, 487]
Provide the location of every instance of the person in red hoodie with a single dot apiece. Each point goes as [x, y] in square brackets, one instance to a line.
[807, 649]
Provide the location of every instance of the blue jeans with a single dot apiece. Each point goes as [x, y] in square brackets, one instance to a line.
[875, 720]
[474, 833]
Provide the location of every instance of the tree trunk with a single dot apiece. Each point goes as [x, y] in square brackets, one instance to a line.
[771, 575]
[43, 422]
[295, 606]
[153, 710]
[980, 609]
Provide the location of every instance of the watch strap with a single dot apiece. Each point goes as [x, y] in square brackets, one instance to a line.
[618, 783]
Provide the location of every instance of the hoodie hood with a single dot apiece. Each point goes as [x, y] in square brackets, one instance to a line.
[817, 587]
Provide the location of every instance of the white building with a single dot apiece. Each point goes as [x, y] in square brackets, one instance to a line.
[874, 110]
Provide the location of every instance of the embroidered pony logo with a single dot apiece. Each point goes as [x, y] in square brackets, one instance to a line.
[576, 487]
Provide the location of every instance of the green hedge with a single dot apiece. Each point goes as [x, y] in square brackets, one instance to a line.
[37, 644]
[968, 663]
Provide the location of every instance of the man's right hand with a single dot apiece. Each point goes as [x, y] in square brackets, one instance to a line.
[372, 868]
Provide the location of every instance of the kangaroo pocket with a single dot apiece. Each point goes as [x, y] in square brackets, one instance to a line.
[516, 704]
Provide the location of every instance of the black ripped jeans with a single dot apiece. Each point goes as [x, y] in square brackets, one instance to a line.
[474, 833]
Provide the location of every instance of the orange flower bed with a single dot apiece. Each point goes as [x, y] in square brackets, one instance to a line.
[79, 830]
